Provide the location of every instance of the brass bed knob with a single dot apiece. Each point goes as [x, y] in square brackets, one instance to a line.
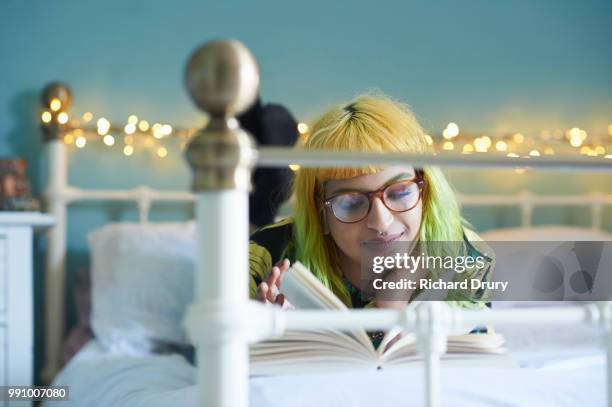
[222, 78]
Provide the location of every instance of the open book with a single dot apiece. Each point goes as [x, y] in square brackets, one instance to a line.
[324, 350]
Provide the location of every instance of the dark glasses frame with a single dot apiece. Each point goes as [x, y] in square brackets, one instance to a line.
[380, 193]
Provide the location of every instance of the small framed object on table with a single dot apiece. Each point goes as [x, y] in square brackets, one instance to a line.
[15, 192]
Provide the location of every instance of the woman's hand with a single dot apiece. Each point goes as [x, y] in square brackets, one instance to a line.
[268, 289]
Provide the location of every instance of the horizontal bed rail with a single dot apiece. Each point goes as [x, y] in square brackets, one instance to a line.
[269, 321]
[528, 201]
[131, 194]
[145, 196]
[282, 156]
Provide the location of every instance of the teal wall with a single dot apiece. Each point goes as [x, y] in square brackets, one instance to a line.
[488, 65]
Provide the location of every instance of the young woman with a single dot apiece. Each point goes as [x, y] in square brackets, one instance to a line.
[338, 209]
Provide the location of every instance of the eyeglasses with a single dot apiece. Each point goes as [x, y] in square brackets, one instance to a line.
[352, 207]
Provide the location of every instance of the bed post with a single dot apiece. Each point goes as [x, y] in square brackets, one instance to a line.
[222, 78]
[56, 99]
[605, 315]
[432, 323]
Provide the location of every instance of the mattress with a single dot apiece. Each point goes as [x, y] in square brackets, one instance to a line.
[558, 367]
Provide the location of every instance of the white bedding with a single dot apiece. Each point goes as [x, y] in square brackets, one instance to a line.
[560, 368]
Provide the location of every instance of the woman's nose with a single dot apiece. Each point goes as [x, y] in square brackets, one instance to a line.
[380, 217]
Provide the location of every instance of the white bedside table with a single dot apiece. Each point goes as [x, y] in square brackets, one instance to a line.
[16, 296]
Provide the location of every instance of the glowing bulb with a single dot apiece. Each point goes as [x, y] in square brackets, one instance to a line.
[294, 167]
[109, 140]
[62, 118]
[575, 141]
[143, 125]
[600, 150]
[166, 130]
[513, 155]
[78, 132]
[128, 150]
[452, 130]
[576, 133]
[448, 145]
[55, 104]
[302, 128]
[130, 128]
[68, 138]
[162, 152]
[534, 153]
[46, 117]
[518, 138]
[87, 116]
[428, 139]
[468, 148]
[609, 156]
[584, 150]
[487, 141]
[133, 119]
[501, 145]
[480, 144]
[157, 131]
[103, 126]
[80, 142]
[573, 132]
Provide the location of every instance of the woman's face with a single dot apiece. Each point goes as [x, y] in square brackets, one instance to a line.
[381, 223]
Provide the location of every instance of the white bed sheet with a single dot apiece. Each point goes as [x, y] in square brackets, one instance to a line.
[560, 368]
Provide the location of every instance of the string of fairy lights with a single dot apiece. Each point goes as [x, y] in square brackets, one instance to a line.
[137, 133]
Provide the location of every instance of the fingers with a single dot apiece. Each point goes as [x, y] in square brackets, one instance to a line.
[268, 290]
[262, 292]
[273, 277]
[267, 295]
[283, 266]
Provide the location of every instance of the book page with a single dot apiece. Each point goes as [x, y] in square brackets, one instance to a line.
[305, 291]
[458, 346]
[309, 293]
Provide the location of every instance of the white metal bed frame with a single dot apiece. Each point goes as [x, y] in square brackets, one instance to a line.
[223, 321]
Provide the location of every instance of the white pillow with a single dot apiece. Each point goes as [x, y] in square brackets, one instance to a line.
[142, 282]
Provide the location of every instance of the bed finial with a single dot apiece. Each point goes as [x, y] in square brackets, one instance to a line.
[56, 99]
[222, 78]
